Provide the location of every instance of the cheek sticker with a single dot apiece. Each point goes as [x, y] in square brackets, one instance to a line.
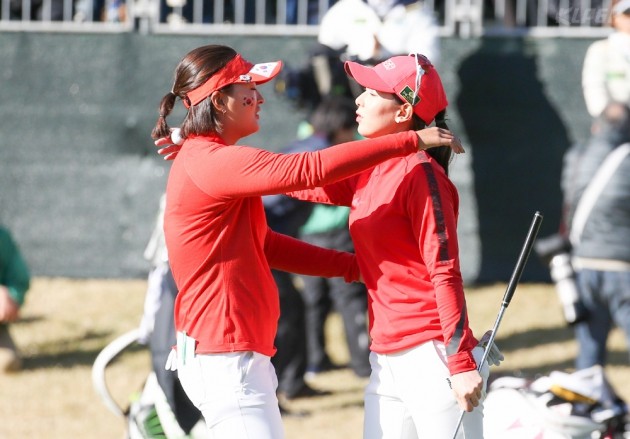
[248, 102]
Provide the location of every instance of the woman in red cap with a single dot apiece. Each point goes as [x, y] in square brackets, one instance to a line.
[403, 223]
[220, 247]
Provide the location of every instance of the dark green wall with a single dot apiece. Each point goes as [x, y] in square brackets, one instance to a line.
[80, 182]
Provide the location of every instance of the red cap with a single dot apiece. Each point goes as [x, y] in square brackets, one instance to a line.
[237, 71]
[408, 77]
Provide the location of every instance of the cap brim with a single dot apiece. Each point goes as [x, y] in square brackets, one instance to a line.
[367, 77]
[265, 72]
[622, 7]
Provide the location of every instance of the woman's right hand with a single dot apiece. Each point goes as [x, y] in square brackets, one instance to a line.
[468, 389]
[434, 136]
[170, 146]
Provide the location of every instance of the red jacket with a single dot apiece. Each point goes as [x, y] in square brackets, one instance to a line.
[403, 223]
[220, 247]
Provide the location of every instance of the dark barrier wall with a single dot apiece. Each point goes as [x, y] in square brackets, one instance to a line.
[80, 181]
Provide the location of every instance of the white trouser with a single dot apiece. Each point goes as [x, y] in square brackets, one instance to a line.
[235, 392]
[408, 397]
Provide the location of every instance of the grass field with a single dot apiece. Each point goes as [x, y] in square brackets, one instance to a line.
[67, 322]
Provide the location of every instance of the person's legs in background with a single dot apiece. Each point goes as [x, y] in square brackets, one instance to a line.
[317, 304]
[10, 360]
[617, 291]
[350, 301]
[592, 333]
[290, 358]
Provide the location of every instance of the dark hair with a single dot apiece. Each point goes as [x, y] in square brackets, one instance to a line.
[333, 114]
[441, 154]
[192, 71]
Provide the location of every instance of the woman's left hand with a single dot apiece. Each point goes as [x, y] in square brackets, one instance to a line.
[435, 136]
[467, 387]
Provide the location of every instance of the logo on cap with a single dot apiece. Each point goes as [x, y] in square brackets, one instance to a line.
[407, 94]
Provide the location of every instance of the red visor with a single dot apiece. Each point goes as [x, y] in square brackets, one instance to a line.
[236, 71]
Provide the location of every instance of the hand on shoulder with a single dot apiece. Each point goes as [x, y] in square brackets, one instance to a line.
[434, 136]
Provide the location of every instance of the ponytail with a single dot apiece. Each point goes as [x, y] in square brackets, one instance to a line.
[161, 128]
[441, 154]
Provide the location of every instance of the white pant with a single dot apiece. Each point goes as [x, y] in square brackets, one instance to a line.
[236, 393]
[408, 397]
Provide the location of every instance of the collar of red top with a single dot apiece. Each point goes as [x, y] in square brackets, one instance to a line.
[237, 70]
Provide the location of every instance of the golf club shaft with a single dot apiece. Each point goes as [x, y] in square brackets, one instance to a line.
[509, 292]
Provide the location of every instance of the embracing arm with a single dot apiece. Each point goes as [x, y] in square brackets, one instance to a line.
[289, 254]
[242, 171]
[338, 194]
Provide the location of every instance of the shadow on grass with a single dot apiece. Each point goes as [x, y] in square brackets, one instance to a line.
[534, 338]
[537, 337]
[68, 353]
[28, 320]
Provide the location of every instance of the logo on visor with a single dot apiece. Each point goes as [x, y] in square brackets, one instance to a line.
[407, 94]
[264, 69]
[245, 78]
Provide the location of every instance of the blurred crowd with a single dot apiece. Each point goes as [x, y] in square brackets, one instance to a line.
[506, 13]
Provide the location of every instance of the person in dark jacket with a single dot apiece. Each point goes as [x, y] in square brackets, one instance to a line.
[601, 248]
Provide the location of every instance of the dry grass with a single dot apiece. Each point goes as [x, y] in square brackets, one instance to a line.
[67, 322]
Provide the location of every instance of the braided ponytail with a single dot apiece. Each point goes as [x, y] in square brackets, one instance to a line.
[161, 128]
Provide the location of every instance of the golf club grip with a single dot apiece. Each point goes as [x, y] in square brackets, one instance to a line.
[522, 259]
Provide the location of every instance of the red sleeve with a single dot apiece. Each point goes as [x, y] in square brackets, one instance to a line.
[289, 254]
[338, 194]
[241, 171]
[434, 220]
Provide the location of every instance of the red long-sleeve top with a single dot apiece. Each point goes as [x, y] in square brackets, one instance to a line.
[403, 222]
[220, 247]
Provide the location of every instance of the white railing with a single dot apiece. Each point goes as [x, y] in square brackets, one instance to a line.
[538, 18]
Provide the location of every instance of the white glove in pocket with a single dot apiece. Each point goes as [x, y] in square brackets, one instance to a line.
[494, 357]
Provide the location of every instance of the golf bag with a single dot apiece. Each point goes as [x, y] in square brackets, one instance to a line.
[580, 405]
[148, 415]
[161, 408]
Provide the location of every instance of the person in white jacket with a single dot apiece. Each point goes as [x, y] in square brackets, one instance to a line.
[374, 30]
[606, 70]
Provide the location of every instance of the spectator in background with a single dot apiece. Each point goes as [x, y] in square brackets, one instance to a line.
[333, 122]
[370, 31]
[37, 11]
[601, 253]
[367, 31]
[14, 283]
[606, 70]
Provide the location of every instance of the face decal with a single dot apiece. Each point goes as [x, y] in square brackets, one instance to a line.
[248, 102]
